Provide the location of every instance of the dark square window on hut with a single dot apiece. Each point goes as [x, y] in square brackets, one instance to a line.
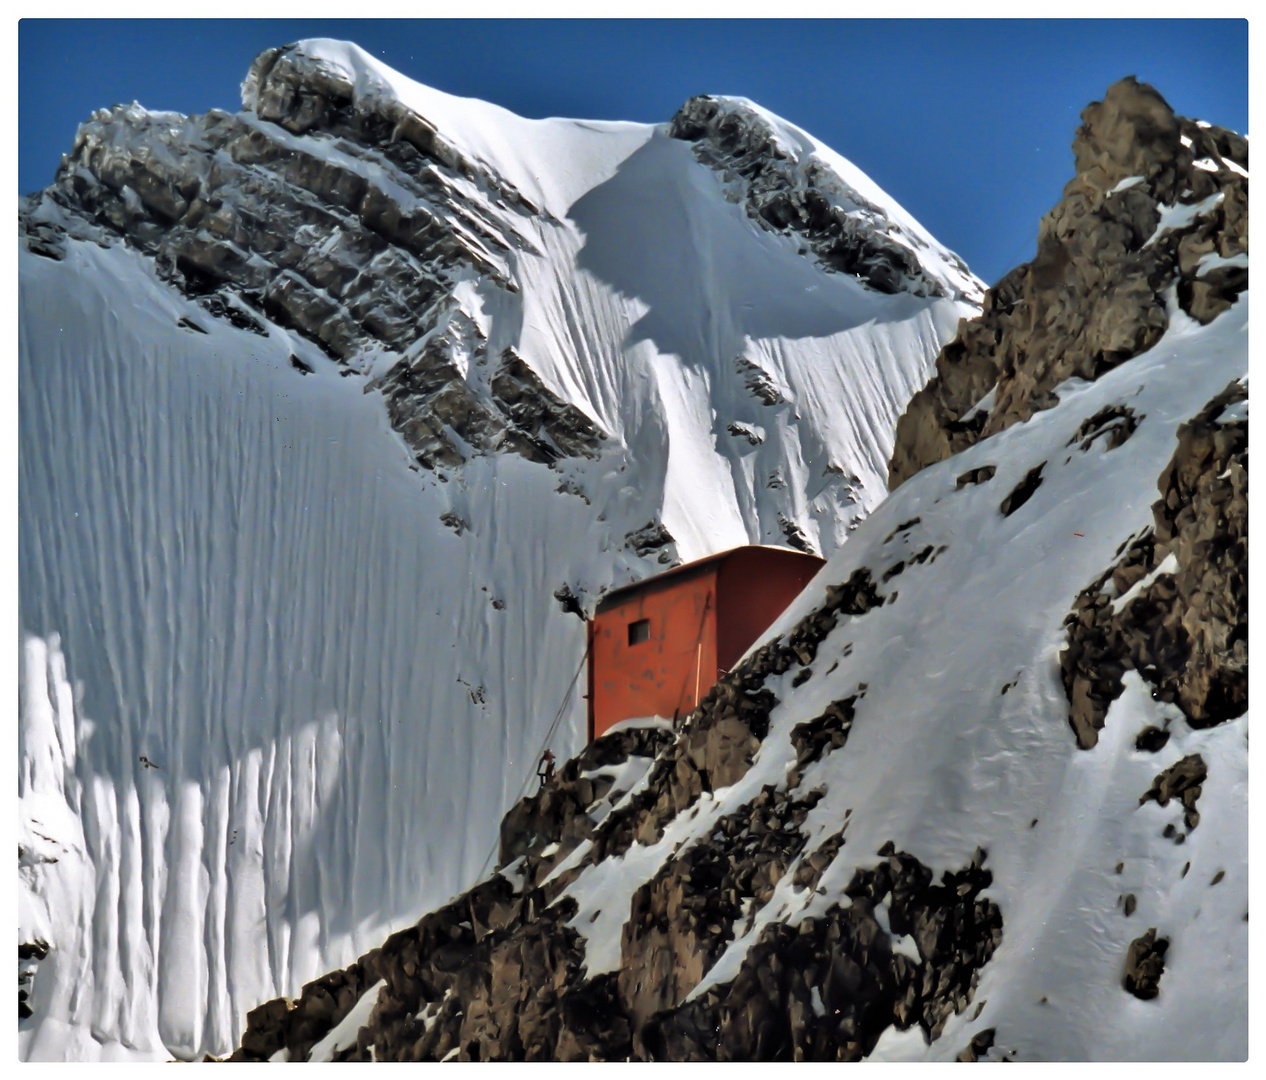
[639, 631]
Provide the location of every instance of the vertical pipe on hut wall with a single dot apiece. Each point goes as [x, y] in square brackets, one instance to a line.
[589, 624]
[698, 661]
[703, 625]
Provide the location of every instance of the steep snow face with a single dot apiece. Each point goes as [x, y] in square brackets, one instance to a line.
[646, 297]
[280, 676]
[961, 740]
[254, 592]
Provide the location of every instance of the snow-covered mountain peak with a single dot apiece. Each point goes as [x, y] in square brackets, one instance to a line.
[549, 163]
[792, 181]
[335, 412]
[473, 266]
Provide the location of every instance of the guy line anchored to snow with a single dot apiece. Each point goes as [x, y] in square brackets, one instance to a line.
[562, 709]
[558, 716]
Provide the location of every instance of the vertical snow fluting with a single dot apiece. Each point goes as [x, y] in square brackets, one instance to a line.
[314, 426]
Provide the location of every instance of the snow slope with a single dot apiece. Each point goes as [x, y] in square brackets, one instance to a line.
[941, 759]
[235, 571]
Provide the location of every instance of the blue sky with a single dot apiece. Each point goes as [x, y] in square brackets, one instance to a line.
[966, 123]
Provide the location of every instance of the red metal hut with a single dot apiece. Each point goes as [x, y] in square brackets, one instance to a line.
[657, 646]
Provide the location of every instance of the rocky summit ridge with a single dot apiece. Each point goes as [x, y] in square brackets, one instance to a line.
[785, 190]
[1158, 203]
[355, 238]
[334, 209]
[833, 858]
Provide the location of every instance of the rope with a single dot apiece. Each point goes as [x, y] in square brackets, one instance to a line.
[562, 709]
[558, 716]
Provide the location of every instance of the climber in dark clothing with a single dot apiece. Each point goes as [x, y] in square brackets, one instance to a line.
[545, 770]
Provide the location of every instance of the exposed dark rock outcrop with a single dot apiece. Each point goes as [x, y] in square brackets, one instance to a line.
[745, 431]
[30, 953]
[1117, 422]
[1174, 607]
[1094, 295]
[342, 216]
[826, 988]
[758, 382]
[795, 536]
[971, 477]
[820, 736]
[1151, 739]
[562, 813]
[455, 521]
[1183, 781]
[980, 1045]
[1023, 491]
[680, 921]
[847, 232]
[570, 601]
[552, 426]
[1145, 964]
[653, 538]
